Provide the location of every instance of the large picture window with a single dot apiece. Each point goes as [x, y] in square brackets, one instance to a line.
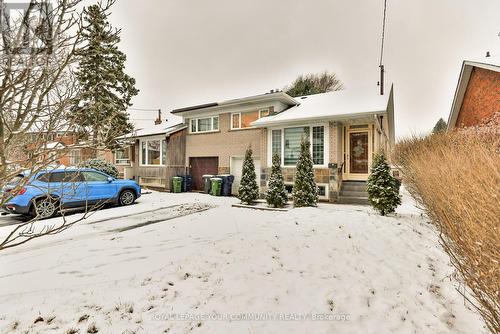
[286, 143]
[153, 152]
[293, 136]
[206, 124]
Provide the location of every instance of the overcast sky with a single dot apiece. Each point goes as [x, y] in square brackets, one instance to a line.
[185, 52]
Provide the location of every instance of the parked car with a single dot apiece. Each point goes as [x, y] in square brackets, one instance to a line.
[49, 191]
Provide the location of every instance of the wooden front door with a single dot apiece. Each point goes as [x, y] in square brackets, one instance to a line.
[358, 154]
[202, 166]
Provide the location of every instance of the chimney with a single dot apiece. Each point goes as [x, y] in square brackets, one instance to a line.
[158, 120]
[382, 79]
[488, 54]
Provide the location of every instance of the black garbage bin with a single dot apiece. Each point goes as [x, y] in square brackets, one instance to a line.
[227, 183]
[187, 183]
[206, 183]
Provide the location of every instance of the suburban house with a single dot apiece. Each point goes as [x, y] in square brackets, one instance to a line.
[219, 133]
[345, 129]
[153, 155]
[477, 96]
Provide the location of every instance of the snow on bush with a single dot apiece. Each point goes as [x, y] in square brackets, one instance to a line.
[305, 192]
[102, 166]
[249, 190]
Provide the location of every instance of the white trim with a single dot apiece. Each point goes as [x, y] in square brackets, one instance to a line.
[212, 117]
[161, 139]
[128, 163]
[347, 175]
[327, 191]
[326, 144]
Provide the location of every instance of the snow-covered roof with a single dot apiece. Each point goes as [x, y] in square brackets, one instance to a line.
[54, 144]
[338, 104]
[160, 129]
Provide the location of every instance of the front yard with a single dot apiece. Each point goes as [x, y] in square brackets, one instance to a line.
[173, 261]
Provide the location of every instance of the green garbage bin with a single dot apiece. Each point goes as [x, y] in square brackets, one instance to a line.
[176, 184]
[216, 186]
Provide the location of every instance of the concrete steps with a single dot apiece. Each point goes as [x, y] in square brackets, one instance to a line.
[353, 192]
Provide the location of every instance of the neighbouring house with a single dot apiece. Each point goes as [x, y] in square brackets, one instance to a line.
[477, 96]
[153, 155]
[64, 147]
[219, 133]
[345, 128]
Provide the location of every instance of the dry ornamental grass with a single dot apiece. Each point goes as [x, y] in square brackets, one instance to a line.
[456, 177]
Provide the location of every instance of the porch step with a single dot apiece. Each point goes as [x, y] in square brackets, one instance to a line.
[353, 192]
[354, 186]
[353, 200]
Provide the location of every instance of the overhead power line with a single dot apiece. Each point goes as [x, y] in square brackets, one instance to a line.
[143, 109]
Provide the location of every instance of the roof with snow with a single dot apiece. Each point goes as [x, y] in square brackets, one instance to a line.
[331, 105]
[153, 130]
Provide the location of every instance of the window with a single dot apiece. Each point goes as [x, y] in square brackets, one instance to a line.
[122, 156]
[276, 143]
[207, 124]
[286, 143]
[243, 120]
[74, 157]
[321, 191]
[318, 145]
[164, 152]
[65, 177]
[153, 152]
[236, 121]
[293, 137]
[94, 177]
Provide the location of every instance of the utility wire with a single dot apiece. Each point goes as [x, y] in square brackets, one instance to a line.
[143, 109]
[383, 33]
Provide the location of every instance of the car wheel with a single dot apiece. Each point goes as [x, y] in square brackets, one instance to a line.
[44, 208]
[127, 197]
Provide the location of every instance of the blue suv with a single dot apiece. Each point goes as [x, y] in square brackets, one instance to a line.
[47, 192]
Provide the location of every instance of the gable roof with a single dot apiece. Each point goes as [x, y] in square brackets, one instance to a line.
[489, 63]
[338, 104]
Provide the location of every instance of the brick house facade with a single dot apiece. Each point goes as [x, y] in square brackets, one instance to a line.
[477, 95]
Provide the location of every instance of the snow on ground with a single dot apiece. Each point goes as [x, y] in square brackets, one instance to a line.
[182, 263]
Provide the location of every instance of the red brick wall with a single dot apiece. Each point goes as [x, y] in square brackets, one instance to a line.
[482, 98]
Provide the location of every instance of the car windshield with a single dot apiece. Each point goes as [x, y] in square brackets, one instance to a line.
[15, 180]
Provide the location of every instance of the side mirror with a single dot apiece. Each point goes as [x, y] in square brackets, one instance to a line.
[110, 179]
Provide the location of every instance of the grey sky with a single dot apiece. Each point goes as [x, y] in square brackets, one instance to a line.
[185, 52]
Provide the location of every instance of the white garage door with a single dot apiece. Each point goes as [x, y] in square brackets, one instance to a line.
[237, 166]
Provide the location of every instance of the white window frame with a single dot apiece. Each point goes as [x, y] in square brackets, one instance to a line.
[195, 120]
[72, 157]
[161, 139]
[123, 163]
[327, 190]
[326, 146]
[259, 112]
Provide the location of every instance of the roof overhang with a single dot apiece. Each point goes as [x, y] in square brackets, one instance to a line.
[279, 96]
[463, 82]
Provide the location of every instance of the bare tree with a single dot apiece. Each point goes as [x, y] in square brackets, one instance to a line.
[310, 84]
[38, 59]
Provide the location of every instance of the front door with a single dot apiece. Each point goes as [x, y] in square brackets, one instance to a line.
[358, 155]
[202, 166]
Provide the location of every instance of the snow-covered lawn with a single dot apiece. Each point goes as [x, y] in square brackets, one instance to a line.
[130, 270]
